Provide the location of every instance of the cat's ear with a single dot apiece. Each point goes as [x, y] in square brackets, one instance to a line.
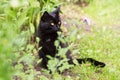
[45, 16]
[57, 10]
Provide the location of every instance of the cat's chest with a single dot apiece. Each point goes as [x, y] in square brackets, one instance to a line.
[50, 38]
[48, 44]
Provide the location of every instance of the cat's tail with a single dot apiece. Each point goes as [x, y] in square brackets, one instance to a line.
[91, 60]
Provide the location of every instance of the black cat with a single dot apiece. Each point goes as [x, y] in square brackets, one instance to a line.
[47, 32]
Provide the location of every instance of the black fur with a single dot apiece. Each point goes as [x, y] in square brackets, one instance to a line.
[47, 32]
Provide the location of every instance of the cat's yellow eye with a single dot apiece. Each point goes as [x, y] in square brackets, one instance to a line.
[59, 22]
[52, 23]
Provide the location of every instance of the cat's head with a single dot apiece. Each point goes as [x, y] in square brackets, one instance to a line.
[50, 22]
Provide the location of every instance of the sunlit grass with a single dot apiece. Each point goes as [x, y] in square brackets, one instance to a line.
[104, 11]
[103, 45]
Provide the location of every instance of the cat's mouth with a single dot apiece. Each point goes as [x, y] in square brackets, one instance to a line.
[52, 31]
[59, 30]
[56, 29]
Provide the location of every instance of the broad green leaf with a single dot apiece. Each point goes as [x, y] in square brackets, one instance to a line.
[32, 28]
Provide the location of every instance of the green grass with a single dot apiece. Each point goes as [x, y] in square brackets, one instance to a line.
[104, 12]
[103, 43]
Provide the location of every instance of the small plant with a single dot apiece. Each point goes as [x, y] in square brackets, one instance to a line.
[19, 52]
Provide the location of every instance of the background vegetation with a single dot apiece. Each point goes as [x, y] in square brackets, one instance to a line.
[100, 39]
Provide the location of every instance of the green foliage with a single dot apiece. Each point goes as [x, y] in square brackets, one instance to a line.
[19, 20]
[48, 5]
[18, 55]
[61, 63]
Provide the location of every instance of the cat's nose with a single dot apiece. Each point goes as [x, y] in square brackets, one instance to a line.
[57, 28]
